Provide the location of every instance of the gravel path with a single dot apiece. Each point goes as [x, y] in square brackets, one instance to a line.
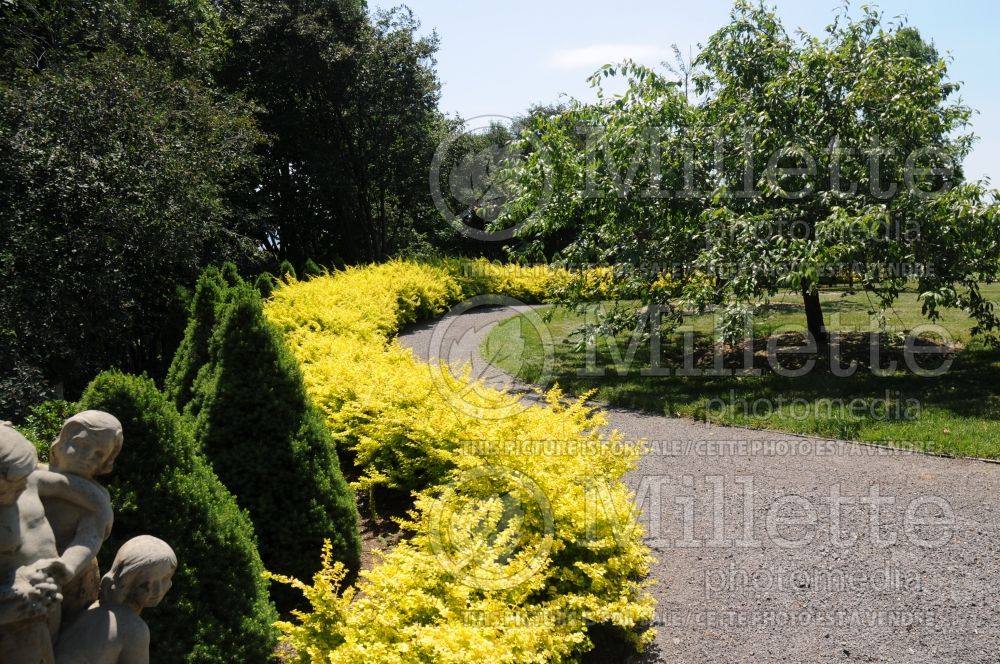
[779, 548]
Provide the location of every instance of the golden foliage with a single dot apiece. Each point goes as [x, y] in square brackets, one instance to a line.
[522, 530]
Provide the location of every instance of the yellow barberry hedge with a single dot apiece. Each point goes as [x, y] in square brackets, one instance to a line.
[534, 284]
[523, 532]
[528, 283]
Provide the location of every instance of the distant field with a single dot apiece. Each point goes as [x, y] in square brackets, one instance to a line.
[956, 413]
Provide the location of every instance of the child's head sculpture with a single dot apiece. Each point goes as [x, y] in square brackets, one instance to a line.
[18, 459]
[88, 444]
[140, 575]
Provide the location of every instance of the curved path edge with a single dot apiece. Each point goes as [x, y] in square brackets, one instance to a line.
[775, 547]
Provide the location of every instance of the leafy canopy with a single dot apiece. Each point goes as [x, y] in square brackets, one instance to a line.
[801, 161]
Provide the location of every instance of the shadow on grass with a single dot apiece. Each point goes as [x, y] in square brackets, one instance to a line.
[956, 412]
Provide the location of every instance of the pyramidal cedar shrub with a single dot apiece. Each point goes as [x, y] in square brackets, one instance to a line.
[218, 610]
[587, 562]
[270, 446]
[192, 354]
[265, 283]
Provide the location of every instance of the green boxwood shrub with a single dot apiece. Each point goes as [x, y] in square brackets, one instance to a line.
[217, 611]
[44, 422]
[270, 445]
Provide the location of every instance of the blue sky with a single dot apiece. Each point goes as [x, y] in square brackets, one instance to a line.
[498, 58]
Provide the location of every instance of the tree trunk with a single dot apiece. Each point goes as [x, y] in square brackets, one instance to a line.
[814, 315]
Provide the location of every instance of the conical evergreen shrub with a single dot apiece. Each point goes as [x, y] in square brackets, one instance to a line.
[311, 269]
[265, 284]
[218, 610]
[270, 446]
[231, 274]
[192, 354]
[286, 270]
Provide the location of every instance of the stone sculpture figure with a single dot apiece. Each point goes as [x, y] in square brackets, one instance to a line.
[112, 631]
[31, 569]
[87, 445]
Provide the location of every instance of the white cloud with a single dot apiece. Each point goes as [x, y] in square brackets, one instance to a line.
[591, 57]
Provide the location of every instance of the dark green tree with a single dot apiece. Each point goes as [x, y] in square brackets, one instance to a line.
[834, 147]
[22, 384]
[269, 444]
[396, 104]
[115, 192]
[351, 102]
[186, 36]
[218, 610]
[590, 184]
[802, 161]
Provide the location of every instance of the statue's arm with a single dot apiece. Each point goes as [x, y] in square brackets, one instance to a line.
[90, 534]
[84, 493]
[92, 529]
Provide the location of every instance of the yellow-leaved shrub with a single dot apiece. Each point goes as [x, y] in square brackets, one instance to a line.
[366, 301]
[522, 531]
[531, 284]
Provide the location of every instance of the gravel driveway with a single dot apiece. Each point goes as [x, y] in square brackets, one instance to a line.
[780, 548]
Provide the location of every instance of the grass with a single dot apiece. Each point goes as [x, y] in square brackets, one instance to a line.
[956, 413]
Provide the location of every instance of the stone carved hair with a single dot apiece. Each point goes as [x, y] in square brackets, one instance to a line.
[17, 456]
[90, 420]
[135, 555]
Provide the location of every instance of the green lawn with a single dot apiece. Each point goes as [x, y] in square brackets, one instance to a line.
[957, 413]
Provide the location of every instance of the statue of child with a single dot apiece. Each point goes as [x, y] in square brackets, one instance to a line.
[112, 631]
[87, 446]
[31, 570]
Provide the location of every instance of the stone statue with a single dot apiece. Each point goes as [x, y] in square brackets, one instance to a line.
[88, 445]
[111, 631]
[31, 569]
